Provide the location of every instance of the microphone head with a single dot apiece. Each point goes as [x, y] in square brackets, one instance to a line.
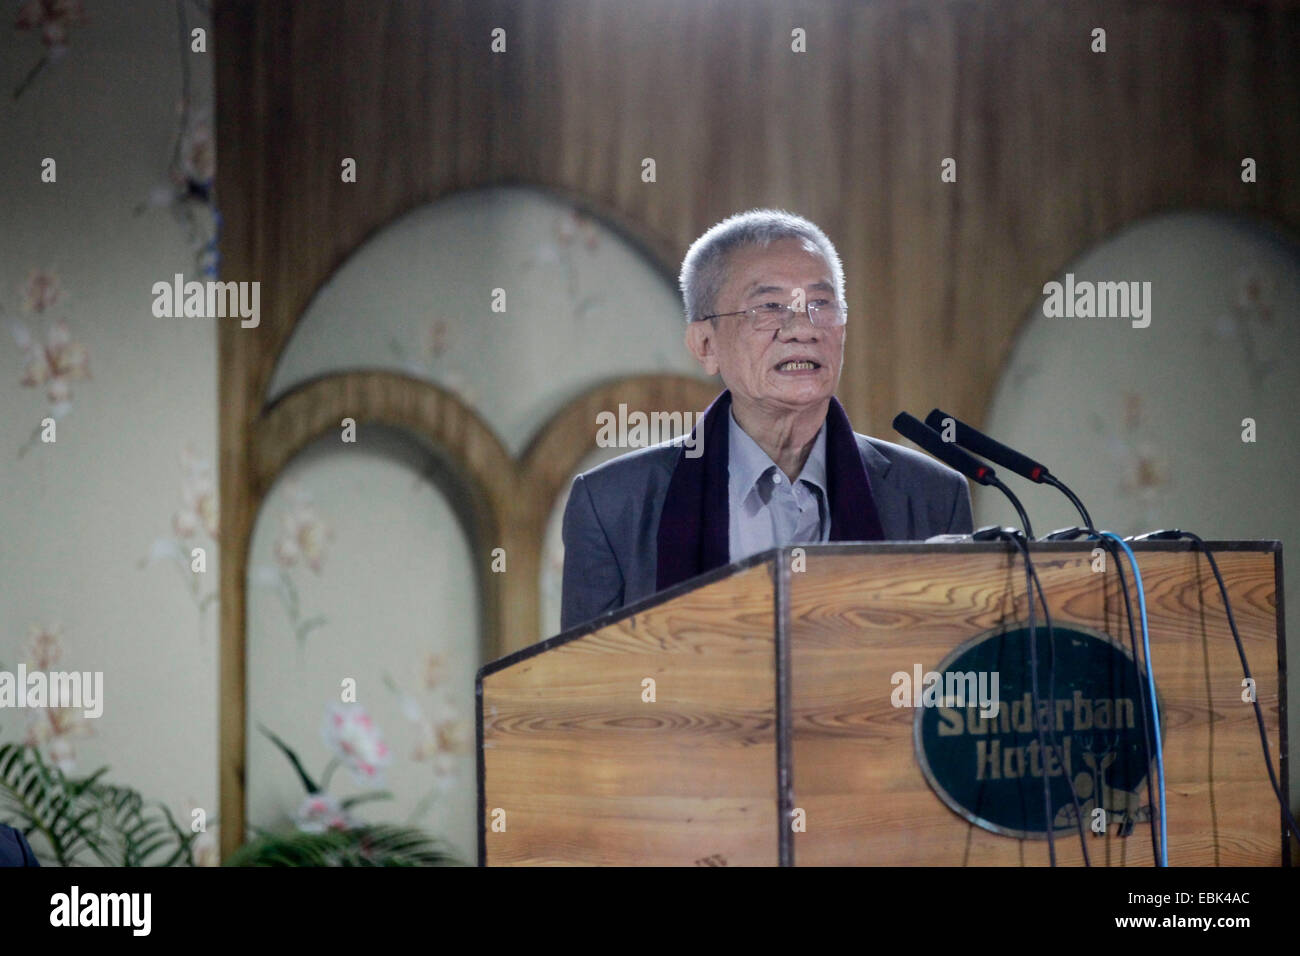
[978, 443]
[912, 428]
[936, 419]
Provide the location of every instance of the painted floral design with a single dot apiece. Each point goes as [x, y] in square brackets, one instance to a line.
[426, 358]
[53, 730]
[44, 648]
[434, 339]
[574, 239]
[356, 744]
[303, 534]
[198, 511]
[195, 525]
[1249, 320]
[1142, 464]
[442, 734]
[575, 227]
[42, 291]
[55, 364]
[355, 741]
[300, 542]
[52, 20]
[189, 190]
[52, 361]
[319, 812]
[195, 167]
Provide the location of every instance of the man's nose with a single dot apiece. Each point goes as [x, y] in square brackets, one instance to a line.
[799, 326]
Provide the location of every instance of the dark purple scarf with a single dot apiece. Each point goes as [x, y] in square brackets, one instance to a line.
[695, 526]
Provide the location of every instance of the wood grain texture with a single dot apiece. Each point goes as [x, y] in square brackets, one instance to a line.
[1056, 147]
[587, 772]
[858, 619]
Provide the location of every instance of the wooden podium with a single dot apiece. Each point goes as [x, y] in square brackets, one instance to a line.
[750, 716]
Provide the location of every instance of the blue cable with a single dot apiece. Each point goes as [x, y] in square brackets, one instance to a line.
[1151, 685]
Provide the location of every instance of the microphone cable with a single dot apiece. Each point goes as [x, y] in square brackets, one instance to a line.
[1113, 549]
[1199, 544]
[1033, 581]
[1070, 534]
[1151, 687]
[1051, 695]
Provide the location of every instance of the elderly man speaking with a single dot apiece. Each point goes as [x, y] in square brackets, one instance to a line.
[780, 463]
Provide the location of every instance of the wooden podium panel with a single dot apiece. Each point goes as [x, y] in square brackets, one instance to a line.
[588, 772]
[773, 737]
[858, 614]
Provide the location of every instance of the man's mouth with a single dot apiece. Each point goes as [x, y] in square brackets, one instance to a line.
[798, 365]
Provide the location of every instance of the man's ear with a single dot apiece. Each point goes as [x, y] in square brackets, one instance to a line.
[700, 339]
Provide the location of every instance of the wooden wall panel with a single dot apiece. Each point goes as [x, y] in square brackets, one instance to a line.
[1056, 148]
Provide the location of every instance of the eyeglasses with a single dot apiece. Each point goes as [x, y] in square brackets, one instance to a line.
[771, 316]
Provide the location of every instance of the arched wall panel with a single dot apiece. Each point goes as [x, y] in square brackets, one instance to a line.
[1056, 146]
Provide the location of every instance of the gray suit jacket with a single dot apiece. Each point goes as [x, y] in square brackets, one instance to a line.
[611, 524]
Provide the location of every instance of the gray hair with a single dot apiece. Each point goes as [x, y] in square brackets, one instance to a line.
[704, 270]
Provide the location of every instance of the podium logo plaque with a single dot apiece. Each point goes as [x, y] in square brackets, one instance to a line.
[1090, 741]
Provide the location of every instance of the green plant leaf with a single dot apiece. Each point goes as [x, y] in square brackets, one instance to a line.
[307, 781]
[83, 819]
[377, 845]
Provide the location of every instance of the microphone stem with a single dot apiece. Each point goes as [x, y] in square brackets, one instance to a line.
[1074, 499]
[1024, 518]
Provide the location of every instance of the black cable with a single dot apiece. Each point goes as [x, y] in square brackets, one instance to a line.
[1016, 539]
[1112, 548]
[1057, 749]
[1048, 818]
[1241, 653]
[1049, 479]
[1051, 695]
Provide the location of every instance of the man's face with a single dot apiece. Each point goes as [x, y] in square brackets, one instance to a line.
[755, 365]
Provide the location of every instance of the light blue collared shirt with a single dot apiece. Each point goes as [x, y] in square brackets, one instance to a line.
[766, 510]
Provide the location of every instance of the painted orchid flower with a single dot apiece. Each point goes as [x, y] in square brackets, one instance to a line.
[57, 363]
[1256, 291]
[52, 18]
[44, 648]
[356, 741]
[42, 291]
[198, 152]
[320, 812]
[302, 534]
[53, 730]
[198, 496]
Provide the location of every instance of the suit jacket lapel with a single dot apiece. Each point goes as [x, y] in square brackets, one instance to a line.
[695, 522]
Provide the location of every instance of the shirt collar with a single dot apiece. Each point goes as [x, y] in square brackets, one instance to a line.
[747, 462]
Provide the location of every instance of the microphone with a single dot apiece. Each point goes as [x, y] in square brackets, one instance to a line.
[954, 457]
[998, 453]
